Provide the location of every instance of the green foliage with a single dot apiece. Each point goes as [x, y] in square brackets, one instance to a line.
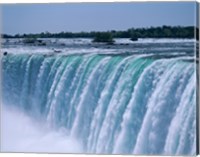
[132, 33]
[105, 37]
[34, 41]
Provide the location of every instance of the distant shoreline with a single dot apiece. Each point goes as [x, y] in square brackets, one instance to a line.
[187, 32]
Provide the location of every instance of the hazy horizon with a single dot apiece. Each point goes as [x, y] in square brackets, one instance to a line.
[87, 17]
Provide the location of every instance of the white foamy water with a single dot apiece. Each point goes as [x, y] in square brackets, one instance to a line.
[127, 103]
[117, 40]
[20, 133]
[85, 45]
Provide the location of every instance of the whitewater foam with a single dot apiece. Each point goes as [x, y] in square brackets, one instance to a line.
[106, 103]
[20, 133]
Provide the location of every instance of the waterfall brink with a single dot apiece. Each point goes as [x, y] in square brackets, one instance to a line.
[118, 104]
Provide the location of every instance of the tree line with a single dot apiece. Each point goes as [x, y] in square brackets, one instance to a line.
[133, 33]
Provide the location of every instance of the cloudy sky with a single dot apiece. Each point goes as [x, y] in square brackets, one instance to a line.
[76, 17]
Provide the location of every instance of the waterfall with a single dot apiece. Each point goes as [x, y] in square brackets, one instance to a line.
[118, 104]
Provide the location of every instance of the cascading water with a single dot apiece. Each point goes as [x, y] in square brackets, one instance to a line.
[121, 104]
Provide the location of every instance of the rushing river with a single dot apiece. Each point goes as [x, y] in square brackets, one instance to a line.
[107, 100]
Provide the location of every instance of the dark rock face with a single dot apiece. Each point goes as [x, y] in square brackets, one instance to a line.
[134, 39]
[5, 53]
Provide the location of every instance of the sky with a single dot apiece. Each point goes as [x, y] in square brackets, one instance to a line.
[77, 17]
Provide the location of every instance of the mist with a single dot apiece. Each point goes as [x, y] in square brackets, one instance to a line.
[20, 133]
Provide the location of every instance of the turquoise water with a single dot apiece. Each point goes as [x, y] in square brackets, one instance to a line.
[113, 104]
